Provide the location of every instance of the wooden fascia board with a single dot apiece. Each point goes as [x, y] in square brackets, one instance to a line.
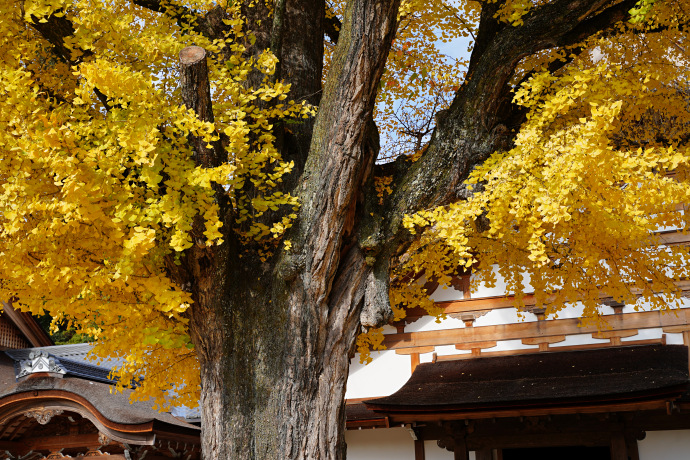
[410, 417]
[372, 423]
[28, 326]
[165, 430]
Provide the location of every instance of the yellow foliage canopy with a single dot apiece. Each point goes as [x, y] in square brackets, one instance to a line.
[599, 167]
[98, 188]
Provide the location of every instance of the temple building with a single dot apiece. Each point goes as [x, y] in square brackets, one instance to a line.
[488, 383]
[55, 404]
[492, 383]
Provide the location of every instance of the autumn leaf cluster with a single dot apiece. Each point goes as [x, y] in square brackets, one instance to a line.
[575, 210]
[98, 186]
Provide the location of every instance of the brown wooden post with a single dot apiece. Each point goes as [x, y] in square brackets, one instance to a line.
[631, 445]
[414, 360]
[460, 451]
[419, 453]
[619, 450]
[485, 454]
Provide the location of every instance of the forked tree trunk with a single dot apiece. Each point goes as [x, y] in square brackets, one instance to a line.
[274, 339]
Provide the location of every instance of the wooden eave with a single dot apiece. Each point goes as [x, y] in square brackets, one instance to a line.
[359, 416]
[589, 381]
[28, 326]
[136, 433]
[402, 415]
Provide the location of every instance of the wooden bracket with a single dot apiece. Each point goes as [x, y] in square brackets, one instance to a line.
[414, 350]
[414, 353]
[614, 336]
[476, 347]
[543, 342]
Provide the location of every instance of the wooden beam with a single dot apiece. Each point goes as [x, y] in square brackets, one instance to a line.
[523, 351]
[549, 328]
[13, 446]
[60, 442]
[674, 237]
[547, 439]
[494, 303]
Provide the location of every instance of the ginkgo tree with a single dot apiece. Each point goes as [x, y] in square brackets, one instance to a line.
[194, 182]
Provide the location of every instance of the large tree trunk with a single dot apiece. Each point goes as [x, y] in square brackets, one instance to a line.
[274, 382]
[274, 339]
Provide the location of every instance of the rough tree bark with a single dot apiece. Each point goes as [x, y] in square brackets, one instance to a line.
[274, 338]
[274, 343]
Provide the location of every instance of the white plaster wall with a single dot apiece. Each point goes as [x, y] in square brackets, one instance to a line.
[382, 377]
[433, 452]
[380, 444]
[665, 445]
[390, 444]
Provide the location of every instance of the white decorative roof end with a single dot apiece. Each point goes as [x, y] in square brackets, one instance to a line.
[40, 361]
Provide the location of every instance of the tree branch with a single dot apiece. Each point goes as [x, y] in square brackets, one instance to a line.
[196, 95]
[601, 22]
[340, 159]
[482, 118]
[180, 14]
[54, 29]
[333, 26]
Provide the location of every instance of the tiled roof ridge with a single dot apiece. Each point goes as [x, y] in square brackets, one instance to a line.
[73, 367]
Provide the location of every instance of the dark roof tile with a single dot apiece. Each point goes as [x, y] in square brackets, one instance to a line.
[542, 378]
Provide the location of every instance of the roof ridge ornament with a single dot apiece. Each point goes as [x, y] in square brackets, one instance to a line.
[40, 362]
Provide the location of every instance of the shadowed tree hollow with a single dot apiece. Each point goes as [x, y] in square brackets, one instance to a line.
[195, 183]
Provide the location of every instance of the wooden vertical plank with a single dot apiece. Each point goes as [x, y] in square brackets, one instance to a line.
[460, 451]
[466, 292]
[631, 445]
[419, 453]
[414, 357]
[686, 341]
[484, 454]
[619, 449]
